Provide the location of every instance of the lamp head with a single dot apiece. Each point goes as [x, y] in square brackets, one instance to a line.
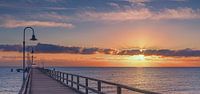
[33, 38]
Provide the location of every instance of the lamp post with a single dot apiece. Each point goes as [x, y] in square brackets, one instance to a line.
[32, 61]
[24, 49]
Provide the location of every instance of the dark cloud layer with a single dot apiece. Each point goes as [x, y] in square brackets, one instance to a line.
[49, 48]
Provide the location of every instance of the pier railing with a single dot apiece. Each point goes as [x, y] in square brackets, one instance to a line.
[26, 86]
[81, 84]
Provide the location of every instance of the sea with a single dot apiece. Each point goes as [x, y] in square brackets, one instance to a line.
[162, 80]
[10, 82]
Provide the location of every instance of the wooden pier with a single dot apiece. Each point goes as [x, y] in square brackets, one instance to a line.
[45, 81]
[42, 84]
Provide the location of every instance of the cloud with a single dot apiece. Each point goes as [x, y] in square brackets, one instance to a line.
[54, 1]
[138, 1]
[180, 0]
[10, 47]
[114, 5]
[180, 13]
[126, 15]
[51, 15]
[129, 52]
[49, 48]
[142, 14]
[145, 1]
[11, 23]
[166, 52]
[163, 52]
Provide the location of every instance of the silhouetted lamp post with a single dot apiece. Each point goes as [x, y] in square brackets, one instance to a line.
[32, 61]
[24, 48]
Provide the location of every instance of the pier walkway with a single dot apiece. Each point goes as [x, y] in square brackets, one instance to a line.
[46, 81]
[43, 84]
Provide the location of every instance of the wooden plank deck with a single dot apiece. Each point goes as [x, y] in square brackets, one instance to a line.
[42, 84]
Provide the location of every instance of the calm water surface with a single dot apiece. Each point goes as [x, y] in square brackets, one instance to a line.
[163, 80]
[10, 82]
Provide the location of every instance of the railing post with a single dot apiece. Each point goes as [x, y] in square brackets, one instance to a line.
[99, 86]
[77, 82]
[71, 80]
[86, 84]
[60, 75]
[57, 75]
[67, 79]
[119, 90]
[63, 76]
[51, 73]
[54, 74]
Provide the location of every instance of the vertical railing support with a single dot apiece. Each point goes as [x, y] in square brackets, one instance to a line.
[86, 84]
[54, 73]
[63, 77]
[77, 82]
[60, 76]
[119, 90]
[57, 75]
[72, 80]
[99, 86]
[67, 79]
[51, 73]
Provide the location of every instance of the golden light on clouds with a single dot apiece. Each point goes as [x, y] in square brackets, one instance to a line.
[100, 60]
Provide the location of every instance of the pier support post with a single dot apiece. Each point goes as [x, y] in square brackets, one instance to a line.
[86, 84]
[77, 82]
[99, 86]
[119, 90]
[72, 81]
[63, 77]
[56, 75]
[67, 79]
[60, 76]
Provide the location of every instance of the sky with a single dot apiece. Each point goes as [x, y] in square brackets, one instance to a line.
[116, 24]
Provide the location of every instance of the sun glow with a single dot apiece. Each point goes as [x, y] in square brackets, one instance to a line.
[138, 57]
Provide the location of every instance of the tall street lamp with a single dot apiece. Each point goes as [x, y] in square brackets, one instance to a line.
[24, 49]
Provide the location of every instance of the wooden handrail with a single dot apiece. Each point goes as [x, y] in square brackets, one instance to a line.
[63, 77]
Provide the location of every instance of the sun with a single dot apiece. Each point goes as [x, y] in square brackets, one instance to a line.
[138, 57]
